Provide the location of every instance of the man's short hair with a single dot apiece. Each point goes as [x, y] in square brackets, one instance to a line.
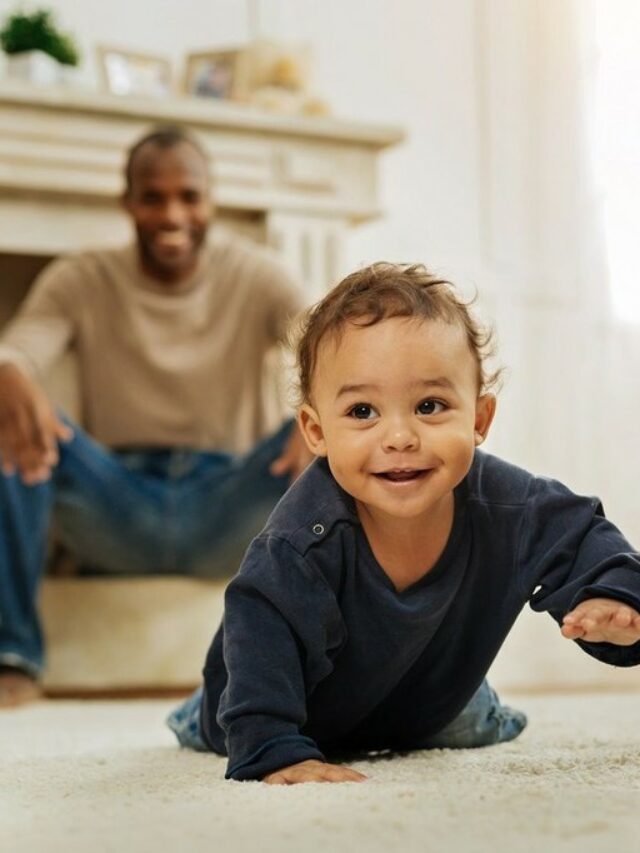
[163, 137]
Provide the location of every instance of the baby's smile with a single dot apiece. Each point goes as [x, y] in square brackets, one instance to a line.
[402, 475]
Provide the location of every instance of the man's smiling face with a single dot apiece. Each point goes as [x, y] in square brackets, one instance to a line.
[168, 201]
[396, 410]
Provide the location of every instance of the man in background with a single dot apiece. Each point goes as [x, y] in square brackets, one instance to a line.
[174, 470]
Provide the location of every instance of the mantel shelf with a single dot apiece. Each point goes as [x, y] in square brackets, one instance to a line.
[197, 112]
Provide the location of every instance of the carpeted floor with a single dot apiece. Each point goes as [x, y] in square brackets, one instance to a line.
[106, 776]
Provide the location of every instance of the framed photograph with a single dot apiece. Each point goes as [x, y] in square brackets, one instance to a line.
[126, 73]
[217, 74]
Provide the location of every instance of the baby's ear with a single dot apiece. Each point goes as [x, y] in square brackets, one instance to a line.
[310, 427]
[485, 411]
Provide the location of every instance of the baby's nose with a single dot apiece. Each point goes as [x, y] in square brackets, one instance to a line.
[400, 437]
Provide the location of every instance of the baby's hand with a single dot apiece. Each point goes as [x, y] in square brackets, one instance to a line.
[602, 620]
[312, 771]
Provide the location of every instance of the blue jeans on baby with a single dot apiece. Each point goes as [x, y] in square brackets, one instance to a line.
[141, 511]
[483, 722]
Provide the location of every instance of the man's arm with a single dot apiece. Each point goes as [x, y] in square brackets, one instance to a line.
[294, 458]
[31, 343]
[44, 325]
[284, 299]
[29, 427]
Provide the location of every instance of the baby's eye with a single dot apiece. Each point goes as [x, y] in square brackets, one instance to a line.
[431, 407]
[362, 411]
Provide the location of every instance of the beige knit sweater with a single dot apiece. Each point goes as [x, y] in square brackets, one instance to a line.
[162, 365]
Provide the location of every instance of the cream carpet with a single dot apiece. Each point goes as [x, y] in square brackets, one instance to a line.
[106, 776]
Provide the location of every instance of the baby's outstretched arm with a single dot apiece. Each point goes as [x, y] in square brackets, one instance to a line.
[313, 771]
[603, 620]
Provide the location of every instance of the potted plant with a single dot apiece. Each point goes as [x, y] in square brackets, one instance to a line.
[36, 50]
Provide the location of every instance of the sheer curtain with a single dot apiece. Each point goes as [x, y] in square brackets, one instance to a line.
[617, 169]
[571, 405]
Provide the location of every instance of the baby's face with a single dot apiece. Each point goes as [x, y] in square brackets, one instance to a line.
[395, 409]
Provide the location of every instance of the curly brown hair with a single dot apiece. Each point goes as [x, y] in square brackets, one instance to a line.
[385, 290]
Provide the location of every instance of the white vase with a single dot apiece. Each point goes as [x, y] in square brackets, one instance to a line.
[34, 66]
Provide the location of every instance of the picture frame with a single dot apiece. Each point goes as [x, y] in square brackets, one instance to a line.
[216, 74]
[127, 73]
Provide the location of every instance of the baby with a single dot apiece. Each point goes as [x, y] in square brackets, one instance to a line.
[366, 614]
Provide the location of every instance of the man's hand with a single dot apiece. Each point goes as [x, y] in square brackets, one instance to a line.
[313, 771]
[29, 428]
[295, 456]
[602, 620]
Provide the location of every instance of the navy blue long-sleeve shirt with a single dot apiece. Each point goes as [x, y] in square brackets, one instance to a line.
[319, 652]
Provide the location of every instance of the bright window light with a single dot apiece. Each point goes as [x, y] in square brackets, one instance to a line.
[618, 148]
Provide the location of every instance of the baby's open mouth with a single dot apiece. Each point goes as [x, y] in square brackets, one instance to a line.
[399, 475]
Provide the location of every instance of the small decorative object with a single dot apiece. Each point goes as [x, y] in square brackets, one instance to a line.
[278, 79]
[278, 64]
[218, 74]
[36, 51]
[126, 73]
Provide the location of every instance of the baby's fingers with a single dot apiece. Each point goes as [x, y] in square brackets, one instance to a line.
[602, 620]
[276, 779]
[571, 631]
[595, 617]
[313, 771]
[584, 620]
[581, 620]
[623, 617]
[330, 773]
[343, 774]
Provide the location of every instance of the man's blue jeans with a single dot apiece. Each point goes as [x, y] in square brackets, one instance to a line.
[157, 511]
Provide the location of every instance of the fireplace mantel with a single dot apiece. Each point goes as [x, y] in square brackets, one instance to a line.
[303, 180]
